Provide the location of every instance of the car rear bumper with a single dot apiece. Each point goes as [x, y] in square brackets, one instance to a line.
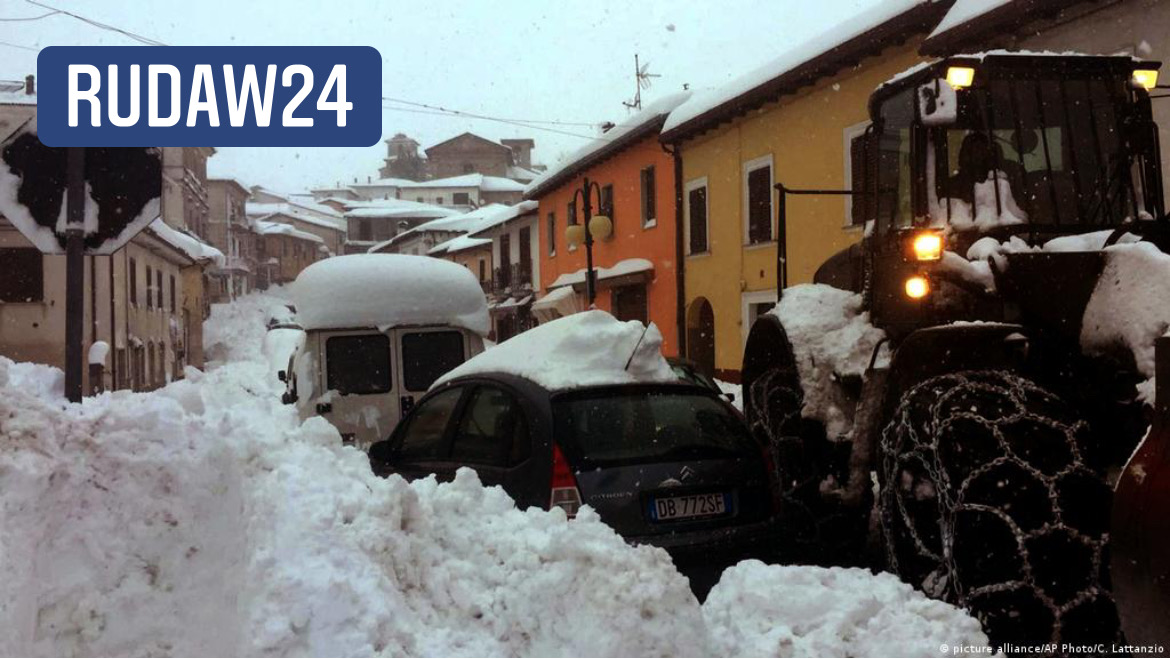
[728, 544]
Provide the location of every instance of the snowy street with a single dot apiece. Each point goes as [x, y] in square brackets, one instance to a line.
[204, 518]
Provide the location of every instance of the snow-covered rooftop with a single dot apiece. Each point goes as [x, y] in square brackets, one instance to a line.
[607, 144]
[295, 210]
[479, 181]
[587, 349]
[470, 222]
[270, 228]
[186, 243]
[386, 290]
[383, 183]
[458, 244]
[825, 44]
[964, 11]
[399, 208]
[619, 269]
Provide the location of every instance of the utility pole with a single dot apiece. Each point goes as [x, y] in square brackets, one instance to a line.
[74, 271]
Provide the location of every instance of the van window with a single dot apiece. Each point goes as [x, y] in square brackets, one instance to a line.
[428, 355]
[493, 431]
[358, 364]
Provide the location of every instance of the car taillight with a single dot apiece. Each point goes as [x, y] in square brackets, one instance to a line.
[565, 494]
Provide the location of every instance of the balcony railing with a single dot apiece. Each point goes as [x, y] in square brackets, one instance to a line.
[512, 278]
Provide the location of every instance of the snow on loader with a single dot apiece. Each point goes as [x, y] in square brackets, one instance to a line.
[953, 417]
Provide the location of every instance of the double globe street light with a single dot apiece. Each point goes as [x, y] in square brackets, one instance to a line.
[595, 227]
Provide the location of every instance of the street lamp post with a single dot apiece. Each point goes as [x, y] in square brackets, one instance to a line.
[594, 226]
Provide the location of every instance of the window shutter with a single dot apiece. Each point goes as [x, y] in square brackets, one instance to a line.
[697, 204]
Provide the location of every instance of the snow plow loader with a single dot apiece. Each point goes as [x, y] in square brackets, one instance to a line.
[955, 396]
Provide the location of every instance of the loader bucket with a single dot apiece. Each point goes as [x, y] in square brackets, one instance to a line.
[1141, 526]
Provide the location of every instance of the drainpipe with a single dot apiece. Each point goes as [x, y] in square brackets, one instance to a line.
[679, 254]
[113, 330]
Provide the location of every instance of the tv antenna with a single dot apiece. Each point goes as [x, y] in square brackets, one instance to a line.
[642, 78]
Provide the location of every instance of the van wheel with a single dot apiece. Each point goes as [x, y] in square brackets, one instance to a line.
[986, 502]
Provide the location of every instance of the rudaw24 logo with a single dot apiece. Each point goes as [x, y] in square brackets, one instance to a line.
[209, 96]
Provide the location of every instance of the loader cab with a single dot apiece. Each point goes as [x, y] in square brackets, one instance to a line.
[379, 330]
[1000, 145]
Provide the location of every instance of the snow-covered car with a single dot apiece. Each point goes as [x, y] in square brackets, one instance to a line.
[379, 329]
[585, 411]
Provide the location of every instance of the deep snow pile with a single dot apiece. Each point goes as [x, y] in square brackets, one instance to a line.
[205, 519]
[587, 348]
[234, 331]
[1130, 307]
[760, 610]
[832, 338]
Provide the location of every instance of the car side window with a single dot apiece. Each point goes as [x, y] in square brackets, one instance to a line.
[422, 437]
[493, 431]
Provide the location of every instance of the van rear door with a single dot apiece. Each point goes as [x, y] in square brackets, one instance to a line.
[359, 367]
[426, 354]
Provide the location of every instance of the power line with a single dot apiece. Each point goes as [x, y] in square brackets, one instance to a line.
[30, 18]
[526, 121]
[104, 26]
[471, 115]
[16, 45]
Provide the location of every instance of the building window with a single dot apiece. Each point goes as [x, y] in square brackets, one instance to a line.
[22, 275]
[552, 233]
[753, 305]
[439, 201]
[133, 277]
[158, 289]
[461, 199]
[419, 199]
[758, 200]
[172, 294]
[696, 216]
[649, 212]
[149, 288]
[468, 168]
[607, 206]
[365, 230]
[482, 270]
[855, 174]
[571, 213]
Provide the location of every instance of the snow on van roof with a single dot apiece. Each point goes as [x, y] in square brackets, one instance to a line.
[586, 349]
[386, 290]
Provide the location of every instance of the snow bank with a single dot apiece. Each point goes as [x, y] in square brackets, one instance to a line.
[832, 338]
[759, 610]
[1130, 307]
[235, 331]
[36, 379]
[383, 290]
[585, 349]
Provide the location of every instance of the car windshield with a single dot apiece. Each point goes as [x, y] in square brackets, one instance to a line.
[623, 426]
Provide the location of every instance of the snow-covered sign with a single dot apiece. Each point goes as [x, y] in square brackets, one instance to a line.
[122, 190]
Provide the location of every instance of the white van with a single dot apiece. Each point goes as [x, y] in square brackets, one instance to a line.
[379, 329]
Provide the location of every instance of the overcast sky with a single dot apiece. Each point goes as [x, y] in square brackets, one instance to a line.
[514, 59]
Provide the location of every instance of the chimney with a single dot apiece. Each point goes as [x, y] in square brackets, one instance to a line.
[369, 179]
[30, 85]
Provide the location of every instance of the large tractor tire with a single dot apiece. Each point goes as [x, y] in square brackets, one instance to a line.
[986, 502]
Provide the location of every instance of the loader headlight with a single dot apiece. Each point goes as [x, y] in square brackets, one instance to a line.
[960, 76]
[917, 287]
[1147, 78]
[927, 246]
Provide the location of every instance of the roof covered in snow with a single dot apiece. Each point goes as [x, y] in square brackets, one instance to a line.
[193, 247]
[266, 228]
[459, 244]
[399, 208]
[387, 290]
[619, 269]
[970, 22]
[478, 181]
[613, 141]
[470, 222]
[383, 183]
[587, 349]
[295, 211]
[866, 33]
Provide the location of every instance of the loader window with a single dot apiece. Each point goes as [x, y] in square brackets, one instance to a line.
[895, 176]
[1036, 151]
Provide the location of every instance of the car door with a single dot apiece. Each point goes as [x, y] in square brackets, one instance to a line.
[493, 435]
[421, 445]
[424, 355]
[359, 366]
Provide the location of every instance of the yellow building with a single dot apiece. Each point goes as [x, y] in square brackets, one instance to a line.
[795, 122]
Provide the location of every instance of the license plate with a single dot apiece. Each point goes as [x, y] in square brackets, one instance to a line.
[688, 507]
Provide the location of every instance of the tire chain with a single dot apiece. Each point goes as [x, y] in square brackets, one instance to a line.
[914, 472]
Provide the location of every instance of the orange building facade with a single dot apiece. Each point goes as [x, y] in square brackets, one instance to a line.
[637, 273]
